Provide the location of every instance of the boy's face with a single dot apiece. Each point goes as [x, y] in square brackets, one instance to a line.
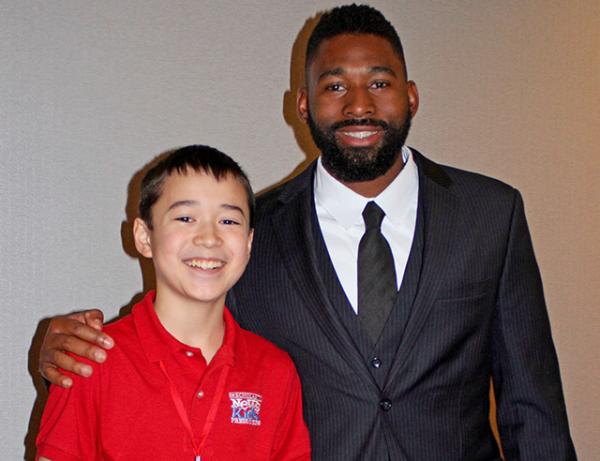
[200, 241]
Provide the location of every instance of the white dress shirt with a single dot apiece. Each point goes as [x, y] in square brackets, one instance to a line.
[339, 211]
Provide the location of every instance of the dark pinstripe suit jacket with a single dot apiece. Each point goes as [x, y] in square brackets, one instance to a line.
[470, 307]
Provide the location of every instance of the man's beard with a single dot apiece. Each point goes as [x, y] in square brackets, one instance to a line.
[357, 164]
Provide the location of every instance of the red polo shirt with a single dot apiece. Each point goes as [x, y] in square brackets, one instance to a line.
[126, 411]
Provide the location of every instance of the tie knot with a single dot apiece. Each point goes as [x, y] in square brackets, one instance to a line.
[373, 215]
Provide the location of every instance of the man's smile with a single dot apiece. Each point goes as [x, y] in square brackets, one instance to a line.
[359, 136]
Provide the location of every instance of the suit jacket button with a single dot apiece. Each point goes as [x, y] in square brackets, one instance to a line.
[385, 404]
[375, 362]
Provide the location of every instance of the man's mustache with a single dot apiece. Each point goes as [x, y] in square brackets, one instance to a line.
[358, 122]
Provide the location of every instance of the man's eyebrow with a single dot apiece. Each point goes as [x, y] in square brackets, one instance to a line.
[336, 72]
[382, 69]
[332, 73]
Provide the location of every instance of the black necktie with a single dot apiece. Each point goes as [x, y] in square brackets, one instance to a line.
[376, 274]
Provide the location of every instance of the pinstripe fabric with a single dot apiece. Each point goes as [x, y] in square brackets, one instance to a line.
[476, 310]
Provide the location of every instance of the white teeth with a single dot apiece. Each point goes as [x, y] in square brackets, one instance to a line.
[205, 264]
[359, 134]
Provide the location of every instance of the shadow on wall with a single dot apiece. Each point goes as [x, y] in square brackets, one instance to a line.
[289, 112]
[40, 389]
[147, 270]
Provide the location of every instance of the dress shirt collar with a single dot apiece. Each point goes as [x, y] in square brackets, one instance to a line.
[346, 206]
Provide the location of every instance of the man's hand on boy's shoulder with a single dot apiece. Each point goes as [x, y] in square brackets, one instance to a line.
[79, 333]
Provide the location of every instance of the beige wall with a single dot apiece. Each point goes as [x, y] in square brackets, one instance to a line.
[90, 91]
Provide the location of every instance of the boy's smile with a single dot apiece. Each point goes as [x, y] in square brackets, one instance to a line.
[205, 264]
[200, 239]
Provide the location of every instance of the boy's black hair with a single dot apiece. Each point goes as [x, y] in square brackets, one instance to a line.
[198, 158]
[352, 19]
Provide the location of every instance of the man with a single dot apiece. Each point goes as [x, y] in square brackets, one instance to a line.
[399, 287]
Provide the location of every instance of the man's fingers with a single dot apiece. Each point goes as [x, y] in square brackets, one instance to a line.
[80, 347]
[59, 359]
[68, 363]
[79, 334]
[76, 332]
[52, 355]
[55, 377]
[94, 318]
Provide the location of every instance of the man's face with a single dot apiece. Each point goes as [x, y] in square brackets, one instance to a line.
[358, 105]
[200, 241]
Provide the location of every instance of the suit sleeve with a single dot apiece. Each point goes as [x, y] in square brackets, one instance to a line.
[531, 412]
[67, 431]
[292, 442]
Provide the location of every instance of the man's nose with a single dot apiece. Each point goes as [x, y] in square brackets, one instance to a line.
[359, 103]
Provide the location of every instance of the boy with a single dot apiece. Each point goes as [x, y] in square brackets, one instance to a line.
[184, 381]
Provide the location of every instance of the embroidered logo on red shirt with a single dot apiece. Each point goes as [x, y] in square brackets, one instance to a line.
[245, 408]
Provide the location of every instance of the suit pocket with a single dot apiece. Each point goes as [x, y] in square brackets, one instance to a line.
[464, 291]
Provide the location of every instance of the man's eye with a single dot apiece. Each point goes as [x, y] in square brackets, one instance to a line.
[335, 87]
[184, 219]
[379, 85]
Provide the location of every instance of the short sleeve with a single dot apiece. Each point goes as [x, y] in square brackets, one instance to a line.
[68, 427]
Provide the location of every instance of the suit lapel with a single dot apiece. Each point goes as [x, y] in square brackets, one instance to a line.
[292, 224]
[439, 208]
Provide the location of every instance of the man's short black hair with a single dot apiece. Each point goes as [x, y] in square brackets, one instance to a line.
[352, 19]
[198, 158]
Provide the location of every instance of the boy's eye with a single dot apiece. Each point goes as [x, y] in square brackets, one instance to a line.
[230, 222]
[184, 219]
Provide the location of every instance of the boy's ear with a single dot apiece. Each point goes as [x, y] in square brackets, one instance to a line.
[250, 238]
[141, 235]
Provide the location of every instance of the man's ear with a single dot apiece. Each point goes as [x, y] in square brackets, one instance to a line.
[141, 236]
[413, 98]
[302, 103]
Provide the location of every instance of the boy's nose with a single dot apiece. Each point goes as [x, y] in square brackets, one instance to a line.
[207, 236]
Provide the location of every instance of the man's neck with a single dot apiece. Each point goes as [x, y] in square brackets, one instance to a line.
[376, 186]
[195, 324]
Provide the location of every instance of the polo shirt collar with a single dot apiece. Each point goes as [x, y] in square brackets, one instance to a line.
[346, 206]
[158, 344]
